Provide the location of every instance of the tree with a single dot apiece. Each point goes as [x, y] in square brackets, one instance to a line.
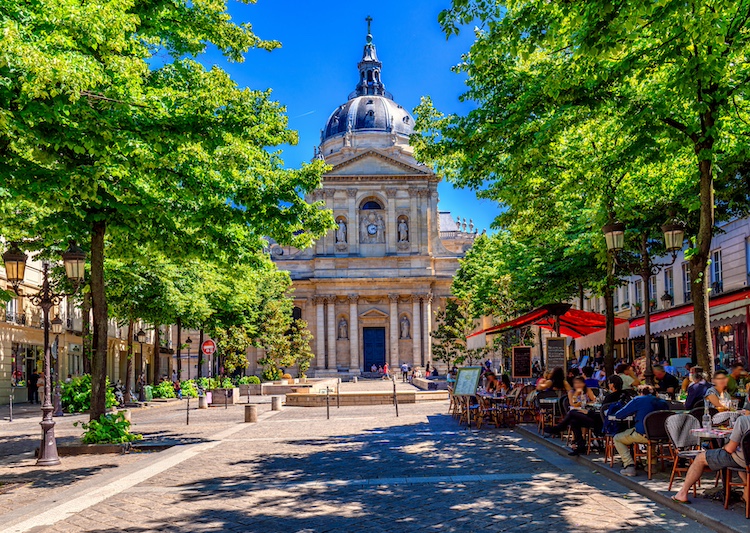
[98, 141]
[673, 69]
[453, 326]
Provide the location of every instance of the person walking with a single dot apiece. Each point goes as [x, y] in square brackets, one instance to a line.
[404, 372]
[385, 371]
[32, 386]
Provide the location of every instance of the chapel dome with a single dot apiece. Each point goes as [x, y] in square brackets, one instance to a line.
[369, 113]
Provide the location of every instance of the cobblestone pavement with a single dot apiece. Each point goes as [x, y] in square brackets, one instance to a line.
[363, 470]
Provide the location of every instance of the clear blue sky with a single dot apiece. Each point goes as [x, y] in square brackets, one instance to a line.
[316, 67]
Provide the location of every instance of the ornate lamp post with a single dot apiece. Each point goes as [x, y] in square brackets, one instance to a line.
[189, 343]
[674, 236]
[57, 328]
[141, 337]
[74, 259]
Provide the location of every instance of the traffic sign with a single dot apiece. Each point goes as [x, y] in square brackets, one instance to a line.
[208, 347]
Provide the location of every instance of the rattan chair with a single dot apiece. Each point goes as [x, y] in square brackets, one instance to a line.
[685, 446]
[658, 440]
[745, 445]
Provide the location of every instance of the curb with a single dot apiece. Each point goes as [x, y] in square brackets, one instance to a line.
[686, 510]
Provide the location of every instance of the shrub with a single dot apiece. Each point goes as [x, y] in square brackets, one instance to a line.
[188, 389]
[76, 395]
[204, 383]
[249, 380]
[271, 373]
[109, 429]
[286, 376]
[226, 383]
[165, 389]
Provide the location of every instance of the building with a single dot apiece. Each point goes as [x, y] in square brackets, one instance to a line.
[369, 289]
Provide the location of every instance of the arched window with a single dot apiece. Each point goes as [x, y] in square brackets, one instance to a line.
[371, 204]
[296, 313]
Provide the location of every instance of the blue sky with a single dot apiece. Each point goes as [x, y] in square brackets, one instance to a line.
[316, 67]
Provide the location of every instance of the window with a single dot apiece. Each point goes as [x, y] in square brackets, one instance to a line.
[747, 259]
[616, 299]
[686, 283]
[652, 291]
[372, 204]
[639, 293]
[717, 278]
[669, 281]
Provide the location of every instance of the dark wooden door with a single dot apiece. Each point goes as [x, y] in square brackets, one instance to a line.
[374, 347]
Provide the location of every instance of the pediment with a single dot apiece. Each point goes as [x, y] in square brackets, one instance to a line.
[374, 163]
[373, 313]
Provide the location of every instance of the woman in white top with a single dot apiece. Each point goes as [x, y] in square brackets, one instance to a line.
[627, 374]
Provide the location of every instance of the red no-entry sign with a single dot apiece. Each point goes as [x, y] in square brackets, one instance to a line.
[208, 347]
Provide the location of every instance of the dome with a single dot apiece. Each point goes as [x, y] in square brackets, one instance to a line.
[369, 113]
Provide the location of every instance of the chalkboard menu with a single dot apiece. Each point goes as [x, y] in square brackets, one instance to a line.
[467, 381]
[555, 352]
[521, 367]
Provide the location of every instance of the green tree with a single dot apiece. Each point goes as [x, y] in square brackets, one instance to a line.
[99, 139]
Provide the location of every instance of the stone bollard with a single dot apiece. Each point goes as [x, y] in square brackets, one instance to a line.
[354, 379]
[251, 413]
[126, 414]
[202, 402]
[276, 403]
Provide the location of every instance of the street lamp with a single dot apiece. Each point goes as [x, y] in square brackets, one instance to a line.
[666, 300]
[57, 328]
[674, 236]
[15, 267]
[189, 343]
[141, 337]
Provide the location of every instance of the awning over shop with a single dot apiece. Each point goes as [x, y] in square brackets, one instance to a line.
[622, 330]
[573, 323]
[725, 309]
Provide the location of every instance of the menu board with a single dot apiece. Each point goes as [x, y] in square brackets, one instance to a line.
[467, 381]
[555, 353]
[521, 367]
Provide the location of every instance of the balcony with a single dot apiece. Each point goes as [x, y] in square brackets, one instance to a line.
[717, 287]
[16, 318]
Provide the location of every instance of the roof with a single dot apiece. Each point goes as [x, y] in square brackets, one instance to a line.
[446, 222]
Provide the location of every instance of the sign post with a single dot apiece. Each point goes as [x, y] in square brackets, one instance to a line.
[209, 349]
[467, 381]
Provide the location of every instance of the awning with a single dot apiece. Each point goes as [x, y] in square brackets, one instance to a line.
[622, 331]
[573, 323]
[725, 309]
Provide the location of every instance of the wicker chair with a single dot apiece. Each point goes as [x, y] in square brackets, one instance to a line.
[685, 445]
[745, 444]
[658, 440]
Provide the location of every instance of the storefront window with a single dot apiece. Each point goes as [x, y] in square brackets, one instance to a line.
[27, 358]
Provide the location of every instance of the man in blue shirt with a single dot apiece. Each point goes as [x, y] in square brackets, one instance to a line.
[640, 407]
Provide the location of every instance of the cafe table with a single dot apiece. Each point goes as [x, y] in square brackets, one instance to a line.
[711, 433]
[554, 402]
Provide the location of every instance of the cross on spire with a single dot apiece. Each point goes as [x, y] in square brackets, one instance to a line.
[369, 21]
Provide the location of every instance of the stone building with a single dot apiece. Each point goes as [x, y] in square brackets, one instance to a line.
[369, 289]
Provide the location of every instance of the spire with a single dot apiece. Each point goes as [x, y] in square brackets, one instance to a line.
[369, 68]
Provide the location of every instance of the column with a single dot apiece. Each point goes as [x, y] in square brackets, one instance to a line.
[391, 237]
[395, 363]
[353, 227]
[415, 225]
[320, 333]
[353, 333]
[331, 328]
[416, 331]
[427, 326]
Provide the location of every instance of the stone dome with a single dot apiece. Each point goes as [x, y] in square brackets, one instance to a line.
[369, 113]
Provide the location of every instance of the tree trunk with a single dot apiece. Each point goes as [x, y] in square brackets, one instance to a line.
[157, 355]
[99, 307]
[609, 306]
[86, 332]
[129, 368]
[200, 355]
[699, 263]
[581, 296]
[179, 350]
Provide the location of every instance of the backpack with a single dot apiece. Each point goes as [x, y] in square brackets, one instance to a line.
[612, 427]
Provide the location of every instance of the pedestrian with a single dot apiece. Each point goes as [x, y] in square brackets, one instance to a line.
[32, 387]
[40, 388]
[404, 372]
[385, 371]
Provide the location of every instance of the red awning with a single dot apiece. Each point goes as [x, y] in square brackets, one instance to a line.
[573, 322]
[721, 299]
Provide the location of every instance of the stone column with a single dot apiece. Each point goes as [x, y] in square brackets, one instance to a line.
[353, 333]
[414, 223]
[395, 363]
[331, 328]
[427, 326]
[390, 224]
[353, 228]
[320, 333]
[416, 331]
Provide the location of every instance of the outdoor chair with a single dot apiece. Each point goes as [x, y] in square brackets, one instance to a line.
[609, 438]
[685, 446]
[546, 412]
[658, 440]
[745, 444]
[522, 409]
[454, 408]
[697, 412]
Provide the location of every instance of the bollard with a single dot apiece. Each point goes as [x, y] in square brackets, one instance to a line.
[126, 414]
[395, 396]
[354, 379]
[275, 403]
[11, 408]
[251, 413]
[338, 393]
[328, 403]
[202, 402]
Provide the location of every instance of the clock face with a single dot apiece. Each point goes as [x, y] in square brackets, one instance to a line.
[372, 229]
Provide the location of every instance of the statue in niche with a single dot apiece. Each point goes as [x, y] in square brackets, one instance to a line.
[372, 229]
[343, 329]
[403, 231]
[381, 229]
[341, 231]
[405, 327]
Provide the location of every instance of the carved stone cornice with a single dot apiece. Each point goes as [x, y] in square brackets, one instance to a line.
[351, 192]
[331, 298]
[353, 298]
[318, 299]
[393, 298]
[391, 192]
[329, 192]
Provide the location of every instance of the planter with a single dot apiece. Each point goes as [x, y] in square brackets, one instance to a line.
[251, 389]
[229, 396]
[284, 382]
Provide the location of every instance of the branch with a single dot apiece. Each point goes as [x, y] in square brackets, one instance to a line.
[95, 96]
[680, 127]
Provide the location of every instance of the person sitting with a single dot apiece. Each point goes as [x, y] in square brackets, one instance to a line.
[730, 456]
[380, 369]
[600, 375]
[578, 416]
[505, 385]
[373, 368]
[665, 383]
[687, 381]
[737, 372]
[493, 385]
[616, 393]
[627, 374]
[556, 382]
[588, 373]
[639, 406]
[696, 391]
[572, 373]
[717, 395]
